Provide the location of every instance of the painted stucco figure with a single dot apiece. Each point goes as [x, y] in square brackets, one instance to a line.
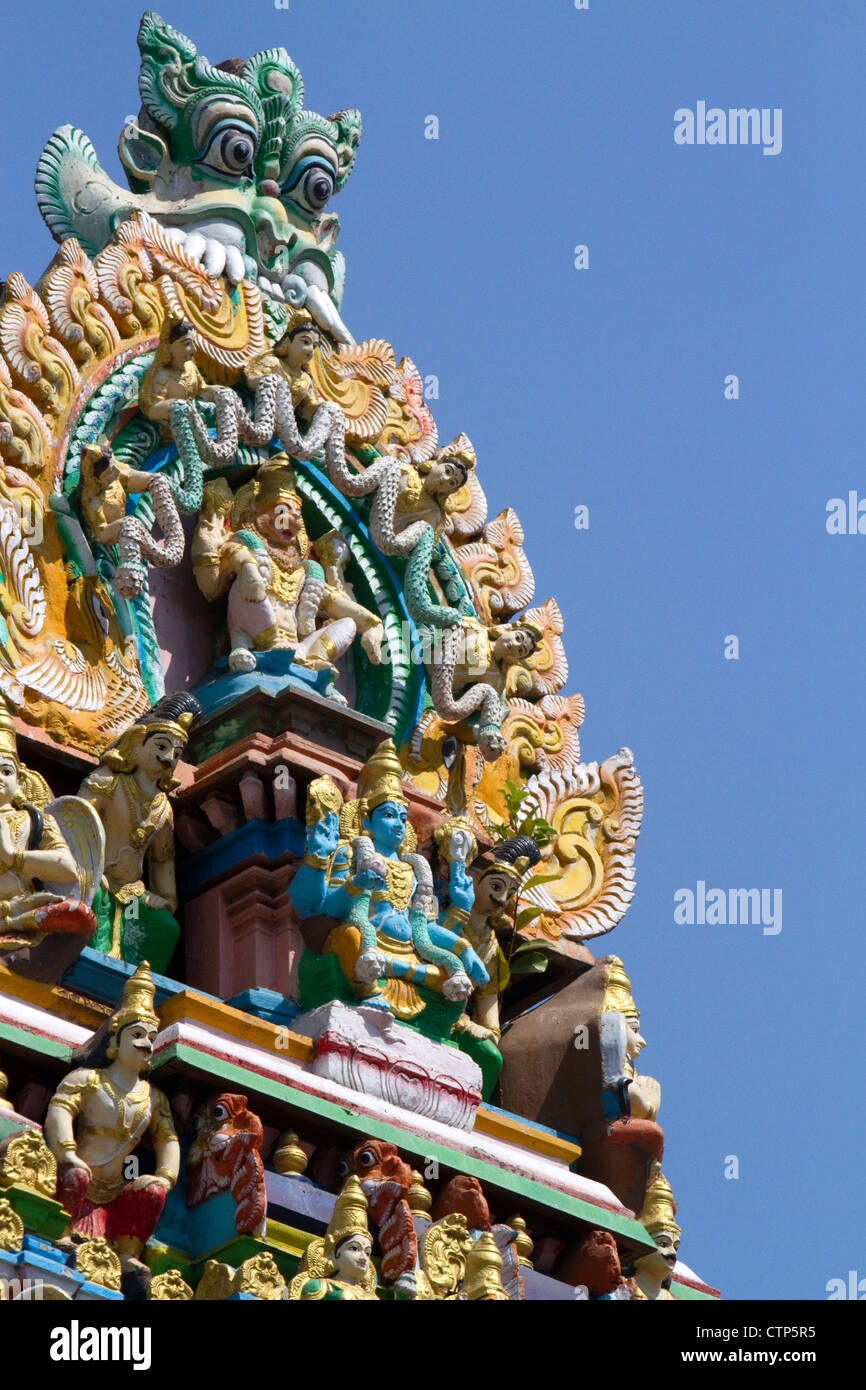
[338, 1267]
[227, 157]
[129, 790]
[98, 1117]
[253, 545]
[652, 1273]
[51, 855]
[361, 868]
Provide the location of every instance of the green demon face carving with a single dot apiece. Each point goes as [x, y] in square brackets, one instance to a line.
[227, 156]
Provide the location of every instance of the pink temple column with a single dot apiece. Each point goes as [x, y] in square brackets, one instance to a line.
[243, 934]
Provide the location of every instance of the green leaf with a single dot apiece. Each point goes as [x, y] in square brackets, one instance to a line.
[533, 963]
[527, 915]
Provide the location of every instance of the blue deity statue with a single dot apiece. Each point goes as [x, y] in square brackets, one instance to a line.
[393, 948]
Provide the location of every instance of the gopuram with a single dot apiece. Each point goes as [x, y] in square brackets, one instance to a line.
[303, 882]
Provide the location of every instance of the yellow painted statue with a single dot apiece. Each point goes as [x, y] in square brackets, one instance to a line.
[129, 790]
[97, 1118]
[51, 854]
[173, 374]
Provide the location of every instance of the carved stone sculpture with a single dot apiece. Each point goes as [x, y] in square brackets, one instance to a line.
[98, 1117]
[129, 790]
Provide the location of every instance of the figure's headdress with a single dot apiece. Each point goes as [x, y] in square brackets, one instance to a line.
[33, 790]
[511, 858]
[349, 1217]
[617, 990]
[297, 319]
[136, 1004]
[381, 778]
[659, 1208]
[460, 449]
[173, 714]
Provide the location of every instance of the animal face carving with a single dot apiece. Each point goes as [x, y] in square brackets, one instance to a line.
[225, 1155]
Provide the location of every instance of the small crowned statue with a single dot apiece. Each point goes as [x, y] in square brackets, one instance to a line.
[173, 374]
[129, 790]
[339, 1266]
[652, 1273]
[99, 1115]
[361, 867]
[497, 876]
[290, 358]
[51, 854]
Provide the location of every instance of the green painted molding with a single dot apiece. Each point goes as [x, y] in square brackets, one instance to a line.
[405, 1140]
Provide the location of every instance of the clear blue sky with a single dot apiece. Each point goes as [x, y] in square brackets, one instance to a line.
[707, 516]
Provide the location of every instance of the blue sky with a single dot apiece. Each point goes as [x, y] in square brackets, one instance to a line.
[604, 387]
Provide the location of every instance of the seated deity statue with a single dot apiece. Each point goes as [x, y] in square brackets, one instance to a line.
[289, 358]
[390, 949]
[253, 545]
[652, 1273]
[129, 790]
[98, 1117]
[172, 375]
[51, 855]
[339, 1266]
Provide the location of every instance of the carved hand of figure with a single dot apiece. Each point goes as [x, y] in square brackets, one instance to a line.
[147, 1180]
[71, 1160]
[157, 902]
[372, 877]
[460, 886]
[251, 585]
[7, 845]
[324, 836]
[474, 967]
[457, 986]
[369, 966]
[407, 1284]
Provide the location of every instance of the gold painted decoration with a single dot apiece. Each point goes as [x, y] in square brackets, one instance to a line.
[483, 1279]
[498, 569]
[27, 1161]
[288, 1157]
[356, 379]
[216, 1282]
[170, 1287]
[70, 290]
[596, 811]
[25, 439]
[443, 1250]
[260, 1277]
[11, 1226]
[41, 363]
[125, 272]
[524, 1243]
[99, 1264]
[548, 663]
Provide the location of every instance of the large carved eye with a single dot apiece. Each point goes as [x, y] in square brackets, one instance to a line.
[366, 1158]
[315, 188]
[230, 150]
[220, 1112]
